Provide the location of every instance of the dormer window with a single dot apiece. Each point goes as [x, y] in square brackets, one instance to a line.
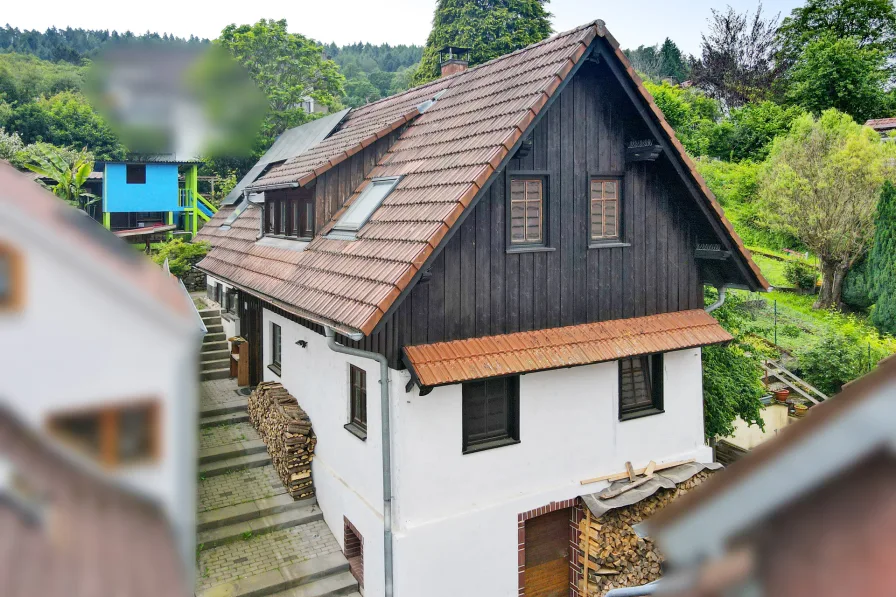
[360, 211]
[290, 214]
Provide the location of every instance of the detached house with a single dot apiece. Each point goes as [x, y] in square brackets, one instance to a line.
[483, 291]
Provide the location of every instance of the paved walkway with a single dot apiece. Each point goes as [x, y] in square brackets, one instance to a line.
[263, 549]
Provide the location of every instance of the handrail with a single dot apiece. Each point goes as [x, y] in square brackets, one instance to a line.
[207, 203]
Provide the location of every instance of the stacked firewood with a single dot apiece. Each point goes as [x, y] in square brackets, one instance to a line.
[286, 430]
[617, 556]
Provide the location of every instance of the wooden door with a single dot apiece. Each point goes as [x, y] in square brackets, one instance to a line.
[547, 555]
[250, 329]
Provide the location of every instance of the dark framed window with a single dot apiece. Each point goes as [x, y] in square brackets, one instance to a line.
[231, 300]
[357, 396]
[490, 413]
[640, 386]
[135, 173]
[605, 194]
[302, 217]
[527, 209]
[113, 435]
[276, 348]
[270, 213]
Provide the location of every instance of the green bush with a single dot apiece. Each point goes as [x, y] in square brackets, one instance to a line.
[731, 374]
[180, 255]
[833, 360]
[800, 274]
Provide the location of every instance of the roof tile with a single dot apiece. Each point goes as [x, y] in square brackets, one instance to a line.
[525, 352]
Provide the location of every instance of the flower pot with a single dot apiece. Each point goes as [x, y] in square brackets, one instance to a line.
[800, 410]
[781, 395]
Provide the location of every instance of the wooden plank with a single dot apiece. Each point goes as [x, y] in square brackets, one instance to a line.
[579, 199]
[526, 282]
[651, 468]
[552, 130]
[452, 289]
[467, 288]
[483, 268]
[495, 200]
[638, 471]
[630, 470]
[436, 328]
[625, 488]
[567, 205]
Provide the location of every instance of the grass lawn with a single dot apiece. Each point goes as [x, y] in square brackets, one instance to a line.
[772, 269]
[798, 325]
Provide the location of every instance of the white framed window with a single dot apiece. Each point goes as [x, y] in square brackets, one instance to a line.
[360, 211]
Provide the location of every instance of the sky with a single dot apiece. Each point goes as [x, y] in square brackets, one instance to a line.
[633, 23]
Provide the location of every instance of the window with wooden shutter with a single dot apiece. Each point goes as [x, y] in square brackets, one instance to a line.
[640, 386]
[357, 401]
[605, 209]
[490, 413]
[527, 210]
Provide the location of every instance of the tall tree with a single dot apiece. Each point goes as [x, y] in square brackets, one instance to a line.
[821, 183]
[872, 23]
[490, 28]
[737, 62]
[287, 67]
[838, 73]
[671, 62]
[882, 262]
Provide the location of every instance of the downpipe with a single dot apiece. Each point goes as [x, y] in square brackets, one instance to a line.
[386, 441]
[721, 301]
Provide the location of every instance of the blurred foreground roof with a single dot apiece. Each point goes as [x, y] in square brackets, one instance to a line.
[65, 531]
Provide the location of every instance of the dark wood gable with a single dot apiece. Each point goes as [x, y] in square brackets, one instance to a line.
[481, 284]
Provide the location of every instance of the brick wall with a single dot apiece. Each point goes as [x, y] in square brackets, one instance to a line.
[577, 514]
[354, 551]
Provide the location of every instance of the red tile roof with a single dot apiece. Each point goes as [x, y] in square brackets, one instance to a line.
[19, 192]
[539, 350]
[882, 124]
[446, 155]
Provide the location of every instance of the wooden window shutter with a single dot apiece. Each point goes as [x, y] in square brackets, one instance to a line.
[526, 211]
[605, 210]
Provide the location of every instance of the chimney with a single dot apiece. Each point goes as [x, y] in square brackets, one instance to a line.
[453, 59]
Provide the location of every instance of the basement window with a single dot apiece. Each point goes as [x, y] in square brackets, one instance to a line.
[360, 211]
[354, 551]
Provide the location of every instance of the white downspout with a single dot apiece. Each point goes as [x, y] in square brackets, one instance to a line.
[386, 441]
[722, 290]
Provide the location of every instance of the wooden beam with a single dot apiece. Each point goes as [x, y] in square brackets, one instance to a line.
[638, 471]
[626, 488]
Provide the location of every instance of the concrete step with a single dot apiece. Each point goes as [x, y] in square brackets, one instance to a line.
[214, 346]
[215, 355]
[225, 419]
[228, 515]
[332, 586]
[294, 517]
[222, 373]
[237, 405]
[235, 463]
[214, 337]
[218, 364]
[206, 313]
[324, 576]
[214, 327]
[234, 450]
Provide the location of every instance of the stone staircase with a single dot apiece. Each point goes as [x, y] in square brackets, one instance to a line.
[215, 356]
[253, 539]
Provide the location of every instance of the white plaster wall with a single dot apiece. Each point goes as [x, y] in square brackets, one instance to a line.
[459, 512]
[230, 322]
[82, 342]
[347, 471]
[456, 515]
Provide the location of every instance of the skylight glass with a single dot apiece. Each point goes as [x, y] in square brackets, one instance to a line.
[370, 198]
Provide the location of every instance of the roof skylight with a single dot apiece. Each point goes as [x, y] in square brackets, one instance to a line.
[370, 198]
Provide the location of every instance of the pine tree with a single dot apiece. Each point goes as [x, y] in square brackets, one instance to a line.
[490, 28]
[882, 262]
